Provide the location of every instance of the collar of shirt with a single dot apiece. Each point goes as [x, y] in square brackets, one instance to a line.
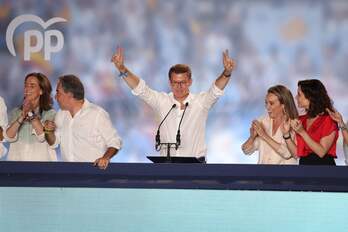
[188, 99]
[85, 106]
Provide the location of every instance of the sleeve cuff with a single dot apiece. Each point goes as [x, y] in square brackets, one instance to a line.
[8, 139]
[56, 142]
[253, 148]
[40, 138]
[117, 143]
[139, 89]
[216, 91]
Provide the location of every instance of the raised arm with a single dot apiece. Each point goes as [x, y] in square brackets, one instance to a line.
[118, 60]
[337, 117]
[229, 66]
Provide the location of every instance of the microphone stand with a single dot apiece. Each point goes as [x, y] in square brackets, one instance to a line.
[178, 139]
[159, 145]
[170, 145]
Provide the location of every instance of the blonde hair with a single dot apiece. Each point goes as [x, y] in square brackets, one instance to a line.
[285, 97]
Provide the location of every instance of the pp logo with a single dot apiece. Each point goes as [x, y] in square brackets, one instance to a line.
[43, 40]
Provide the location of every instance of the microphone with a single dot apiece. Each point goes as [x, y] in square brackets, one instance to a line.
[158, 139]
[178, 139]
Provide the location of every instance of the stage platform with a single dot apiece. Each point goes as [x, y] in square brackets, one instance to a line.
[133, 197]
[176, 176]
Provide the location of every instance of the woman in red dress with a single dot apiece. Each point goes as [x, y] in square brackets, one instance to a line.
[316, 132]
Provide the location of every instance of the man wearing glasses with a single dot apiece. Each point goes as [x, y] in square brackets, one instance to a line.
[197, 106]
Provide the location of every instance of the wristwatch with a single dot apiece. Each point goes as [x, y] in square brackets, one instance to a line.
[31, 115]
[287, 137]
[229, 75]
[343, 127]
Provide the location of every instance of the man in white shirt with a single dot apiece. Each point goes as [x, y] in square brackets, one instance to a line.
[3, 124]
[83, 129]
[197, 105]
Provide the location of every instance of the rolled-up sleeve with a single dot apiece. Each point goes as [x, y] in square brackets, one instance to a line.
[144, 92]
[107, 131]
[139, 89]
[13, 117]
[283, 150]
[211, 96]
[253, 148]
[40, 138]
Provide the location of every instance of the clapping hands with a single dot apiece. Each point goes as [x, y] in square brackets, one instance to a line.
[258, 128]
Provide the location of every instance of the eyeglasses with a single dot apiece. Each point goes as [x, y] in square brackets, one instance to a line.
[179, 83]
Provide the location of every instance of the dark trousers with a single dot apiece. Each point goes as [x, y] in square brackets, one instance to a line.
[202, 160]
[314, 159]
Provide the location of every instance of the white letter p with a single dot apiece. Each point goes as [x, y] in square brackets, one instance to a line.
[28, 49]
[48, 45]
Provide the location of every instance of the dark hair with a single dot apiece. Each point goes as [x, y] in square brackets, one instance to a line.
[178, 69]
[45, 101]
[72, 84]
[285, 97]
[317, 95]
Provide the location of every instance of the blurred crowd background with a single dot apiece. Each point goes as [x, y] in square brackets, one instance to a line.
[273, 42]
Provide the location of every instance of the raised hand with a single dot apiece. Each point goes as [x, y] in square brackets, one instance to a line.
[118, 59]
[229, 63]
[336, 116]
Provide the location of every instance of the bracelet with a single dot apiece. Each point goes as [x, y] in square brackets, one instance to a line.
[229, 75]
[48, 131]
[123, 74]
[20, 123]
[287, 137]
[343, 127]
